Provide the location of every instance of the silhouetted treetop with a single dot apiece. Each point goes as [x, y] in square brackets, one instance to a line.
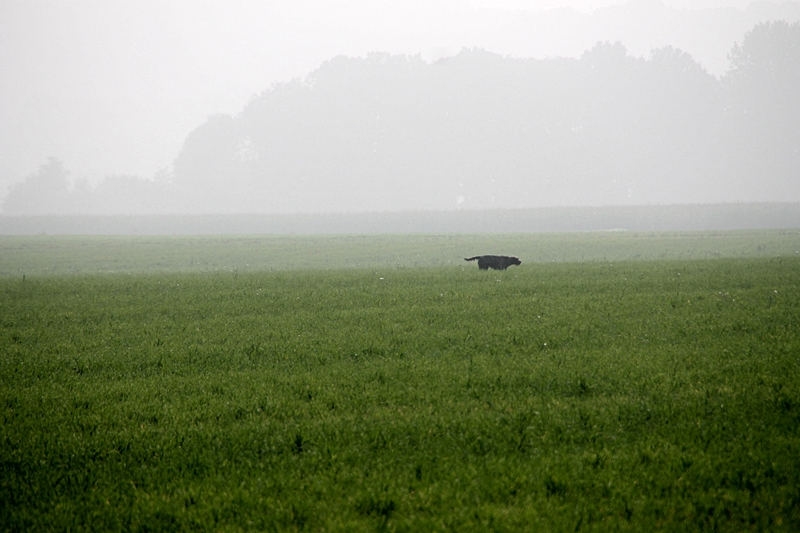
[770, 51]
[763, 109]
[480, 130]
[46, 192]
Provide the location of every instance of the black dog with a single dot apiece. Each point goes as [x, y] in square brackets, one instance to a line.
[497, 262]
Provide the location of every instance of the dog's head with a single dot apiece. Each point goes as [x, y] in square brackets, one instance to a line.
[514, 261]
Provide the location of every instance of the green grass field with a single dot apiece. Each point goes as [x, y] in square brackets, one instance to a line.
[627, 382]
[45, 255]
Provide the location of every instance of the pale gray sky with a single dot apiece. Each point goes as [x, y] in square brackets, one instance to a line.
[114, 87]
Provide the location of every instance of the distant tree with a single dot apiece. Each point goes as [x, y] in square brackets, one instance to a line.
[765, 69]
[610, 104]
[44, 193]
[209, 169]
[475, 130]
[607, 56]
[763, 110]
[643, 130]
[680, 114]
[82, 199]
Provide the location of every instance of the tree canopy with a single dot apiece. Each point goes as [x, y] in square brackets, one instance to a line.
[479, 130]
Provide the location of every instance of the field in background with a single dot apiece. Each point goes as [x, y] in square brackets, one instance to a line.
[695, 217]
[68, 255]
[614, 381]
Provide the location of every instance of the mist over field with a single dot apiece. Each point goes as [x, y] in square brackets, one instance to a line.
[539, 118]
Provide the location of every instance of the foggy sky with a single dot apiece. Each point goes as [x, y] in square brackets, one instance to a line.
[113, 87]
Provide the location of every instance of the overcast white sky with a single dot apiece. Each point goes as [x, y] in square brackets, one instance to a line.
[114, 87]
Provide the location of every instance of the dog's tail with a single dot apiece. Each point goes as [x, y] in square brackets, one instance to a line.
[472, 258]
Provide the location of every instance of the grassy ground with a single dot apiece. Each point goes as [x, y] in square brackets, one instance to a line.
[565, 396]
[71, 255]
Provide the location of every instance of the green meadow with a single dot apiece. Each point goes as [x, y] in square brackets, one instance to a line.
[612, 382]
[46, 255]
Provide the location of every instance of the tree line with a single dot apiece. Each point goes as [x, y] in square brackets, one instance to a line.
[479, 131]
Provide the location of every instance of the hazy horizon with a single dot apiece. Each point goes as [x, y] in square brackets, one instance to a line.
[114, 89]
